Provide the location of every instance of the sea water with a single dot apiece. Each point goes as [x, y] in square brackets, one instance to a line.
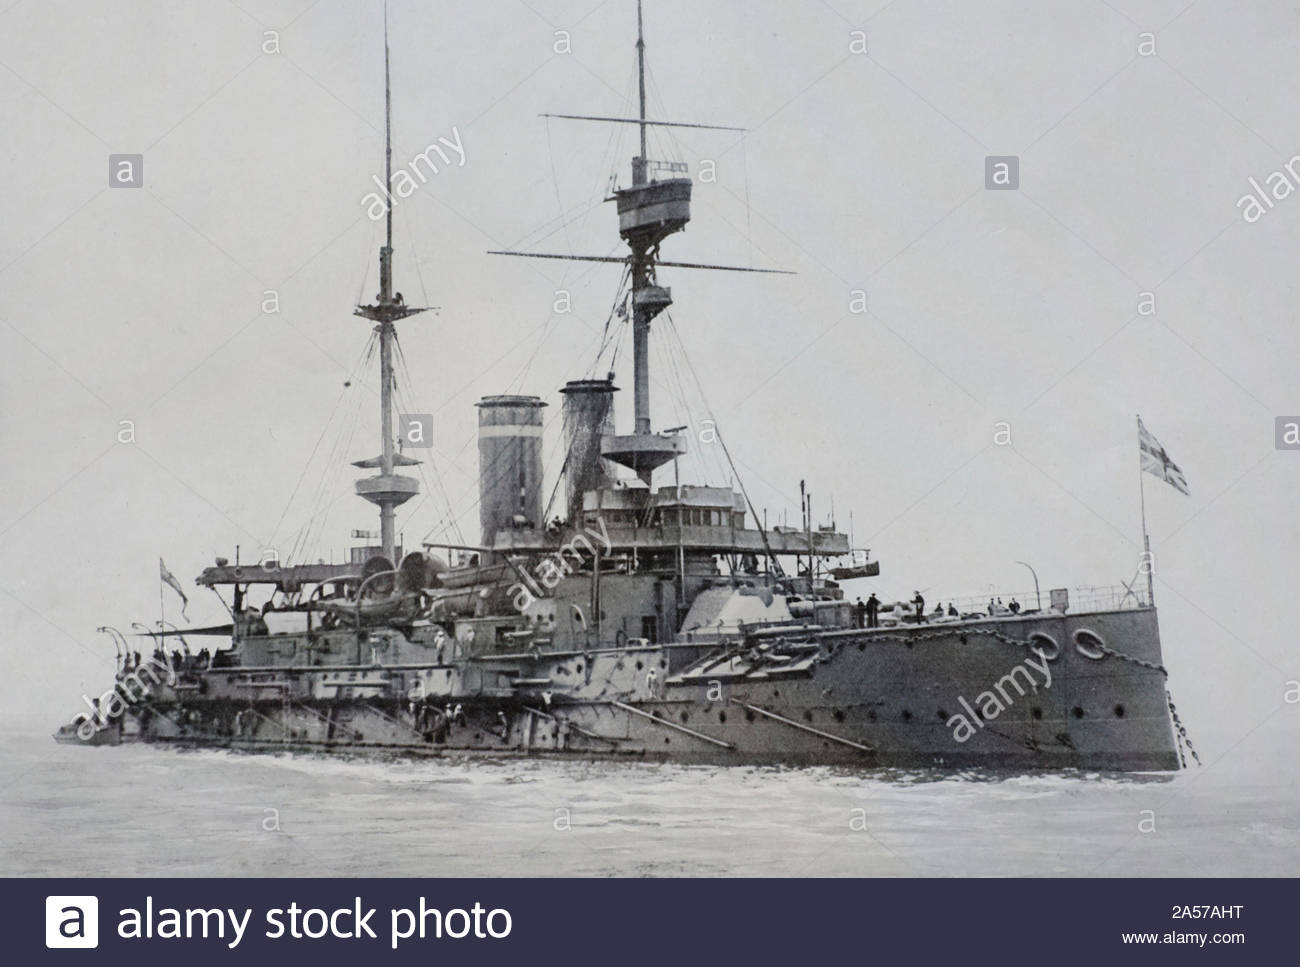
[139, 810]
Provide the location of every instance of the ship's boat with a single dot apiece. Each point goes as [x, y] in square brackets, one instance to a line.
[857, 567]
[628, 617]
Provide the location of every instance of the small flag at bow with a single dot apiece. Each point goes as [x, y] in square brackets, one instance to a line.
[169, 579]
[1156, 461]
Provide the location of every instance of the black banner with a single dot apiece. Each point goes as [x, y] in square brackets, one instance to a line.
[652, 922]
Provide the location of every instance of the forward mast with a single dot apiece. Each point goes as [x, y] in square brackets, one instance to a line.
[387, 489]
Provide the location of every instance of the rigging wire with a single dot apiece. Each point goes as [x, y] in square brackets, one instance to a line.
[555, 183]
[328, 480]
[582, 209]
[618, 136]
[612, 332]
[472, 437]
[330, 467]
[516, 384]
[427, 468]
[415, 257]
[740, 481]
[706, 459]
[488, 479]
[324, 430]
[682, 150]
[682, 407]
[563, 221]
[361, 286]
[475, 495]
[744, 170]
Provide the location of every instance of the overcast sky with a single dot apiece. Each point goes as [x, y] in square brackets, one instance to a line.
[260, 125]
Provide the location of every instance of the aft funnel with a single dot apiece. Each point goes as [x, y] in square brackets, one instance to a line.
[588, 425]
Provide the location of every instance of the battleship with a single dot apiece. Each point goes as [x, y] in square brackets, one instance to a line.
[626, 614]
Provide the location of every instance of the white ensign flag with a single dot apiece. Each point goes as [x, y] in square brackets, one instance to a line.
[1156, 461]
[169, 579]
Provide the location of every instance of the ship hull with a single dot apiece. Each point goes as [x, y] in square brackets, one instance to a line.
[959, 695]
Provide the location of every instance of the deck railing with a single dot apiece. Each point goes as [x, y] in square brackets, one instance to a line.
[1084, 598]
[661, 170]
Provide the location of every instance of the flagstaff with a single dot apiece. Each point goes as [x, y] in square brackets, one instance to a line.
[1153, 459]
[1146, 538]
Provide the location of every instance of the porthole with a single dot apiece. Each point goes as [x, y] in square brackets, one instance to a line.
[722, 717]
[839, 715]
[1119, 711]
[1036, 712]
[1077, 712]
[807, 715]
[907, 715]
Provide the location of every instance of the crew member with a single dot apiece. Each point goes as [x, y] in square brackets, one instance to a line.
[873, 611]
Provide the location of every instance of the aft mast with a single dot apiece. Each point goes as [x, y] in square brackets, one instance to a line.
[387, 489]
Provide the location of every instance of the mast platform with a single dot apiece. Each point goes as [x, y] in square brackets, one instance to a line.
[643, 452]
[650, 212]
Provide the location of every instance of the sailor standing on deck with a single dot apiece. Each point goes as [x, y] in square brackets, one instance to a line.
[920, 607]
[859, 614]
[873, 611]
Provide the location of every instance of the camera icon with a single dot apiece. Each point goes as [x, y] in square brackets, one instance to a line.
[72, 921]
